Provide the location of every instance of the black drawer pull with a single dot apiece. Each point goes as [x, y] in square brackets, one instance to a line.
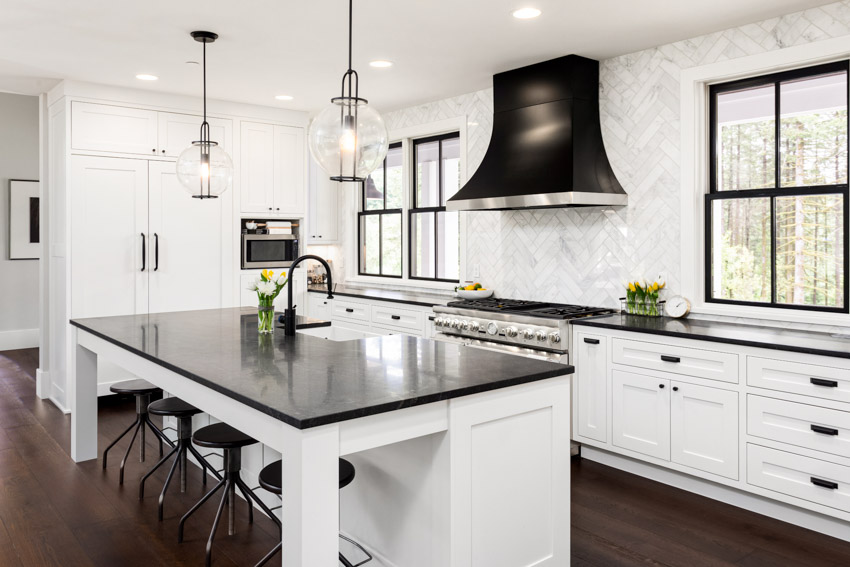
[591, 341]
[822, 382]
[824, 430]
[824, 483]
[666, 358]
[432, 317]
[349, 310]
[395, 317]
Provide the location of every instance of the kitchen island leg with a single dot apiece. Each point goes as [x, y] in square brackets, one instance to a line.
[83, 385]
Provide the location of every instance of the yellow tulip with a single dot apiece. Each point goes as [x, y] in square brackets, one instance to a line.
[632, 286]
[661, 285]
[654, 286]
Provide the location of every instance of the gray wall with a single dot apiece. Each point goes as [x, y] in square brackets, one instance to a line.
[18, 278]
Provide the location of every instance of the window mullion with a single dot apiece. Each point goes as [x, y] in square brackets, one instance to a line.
[773, 250]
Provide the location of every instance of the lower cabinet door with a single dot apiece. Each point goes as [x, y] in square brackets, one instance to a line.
[641, 414]
[704, 428]
[591, 391]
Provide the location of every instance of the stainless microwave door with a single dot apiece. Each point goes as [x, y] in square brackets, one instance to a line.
[268, 250]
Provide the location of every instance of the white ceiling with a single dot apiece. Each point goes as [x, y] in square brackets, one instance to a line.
[440, 47]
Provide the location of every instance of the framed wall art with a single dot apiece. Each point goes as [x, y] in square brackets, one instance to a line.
[24, 222]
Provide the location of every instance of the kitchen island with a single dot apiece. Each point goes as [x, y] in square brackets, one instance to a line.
[499, 423]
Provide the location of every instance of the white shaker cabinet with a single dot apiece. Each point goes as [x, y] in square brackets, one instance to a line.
[272, 175]
[115, 129]
[176, 132]
[591, 386]
[641, 414]
[109, 236]
[704, 428]
[323, 215]
[187, 246]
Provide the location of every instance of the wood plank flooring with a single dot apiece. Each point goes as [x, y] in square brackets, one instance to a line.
[55, 512]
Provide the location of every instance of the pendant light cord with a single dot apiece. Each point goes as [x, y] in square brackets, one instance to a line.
[350, 30]
[205, 81]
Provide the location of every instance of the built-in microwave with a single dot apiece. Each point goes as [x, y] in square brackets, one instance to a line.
[268, 250]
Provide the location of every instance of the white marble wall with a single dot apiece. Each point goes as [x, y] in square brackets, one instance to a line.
[582, 255]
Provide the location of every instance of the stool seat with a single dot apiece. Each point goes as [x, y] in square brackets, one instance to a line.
[173, 407]
[137, 386]
[270, 475]
[221, 436]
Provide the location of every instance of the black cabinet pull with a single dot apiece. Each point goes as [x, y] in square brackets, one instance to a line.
[591, 341]
[666, 358]
[156, 251]
[661, 386]
[824, 430]
[349, 310]
[824, 483]
[822, 382]
[432, 317]
[143, 251]
[395, 317]
[675, 388]
[153, 150]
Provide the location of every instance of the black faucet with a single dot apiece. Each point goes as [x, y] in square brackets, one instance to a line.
[289, 313]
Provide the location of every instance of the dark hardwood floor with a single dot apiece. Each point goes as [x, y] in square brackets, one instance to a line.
[55, 512]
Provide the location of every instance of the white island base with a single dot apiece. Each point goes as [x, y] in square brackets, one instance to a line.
[481, 480]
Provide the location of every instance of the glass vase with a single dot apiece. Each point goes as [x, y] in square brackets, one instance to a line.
[265, 317]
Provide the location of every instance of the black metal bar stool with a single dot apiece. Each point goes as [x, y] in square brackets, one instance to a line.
[270, 480]
[225, 437]
[142, 389]
[175, 407]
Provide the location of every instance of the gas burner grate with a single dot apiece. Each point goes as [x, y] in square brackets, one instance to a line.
[498, 304]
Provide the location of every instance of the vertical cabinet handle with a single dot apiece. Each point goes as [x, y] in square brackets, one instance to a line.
[143, 251]
[824, 483]
[156, 251]
[822, 382]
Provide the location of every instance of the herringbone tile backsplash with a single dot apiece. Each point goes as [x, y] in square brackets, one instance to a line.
[583, 255]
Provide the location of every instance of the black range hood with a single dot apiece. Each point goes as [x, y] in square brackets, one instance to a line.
[546, 150]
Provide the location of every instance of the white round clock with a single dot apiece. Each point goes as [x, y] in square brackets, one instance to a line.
[677, 306]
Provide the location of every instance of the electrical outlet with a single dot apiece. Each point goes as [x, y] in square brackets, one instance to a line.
[662, 277]
[476, 271]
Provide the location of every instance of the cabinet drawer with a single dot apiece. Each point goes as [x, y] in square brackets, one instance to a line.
[803, 425]
[799, 378]
[394, 317]
[319, 306]
[709, 364]
[809, 479]
[350, 310]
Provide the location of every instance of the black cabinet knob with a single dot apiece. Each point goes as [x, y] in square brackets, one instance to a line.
[154, 150]
[661, 386]
[675, 388]
[163, 151]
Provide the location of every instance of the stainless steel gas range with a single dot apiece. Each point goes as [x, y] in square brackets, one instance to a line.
[527, 328]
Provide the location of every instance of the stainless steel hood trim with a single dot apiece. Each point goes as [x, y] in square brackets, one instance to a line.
[540, 201]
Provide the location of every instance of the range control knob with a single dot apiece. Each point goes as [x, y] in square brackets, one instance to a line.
[511, 332]
[465, 325]
[540, 335]
[555, 337]
[455, 324]
[492, 328]
[438, 322]
[528, 334]
[474, 326]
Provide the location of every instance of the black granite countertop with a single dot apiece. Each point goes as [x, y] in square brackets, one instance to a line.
[808, 342]
[411, 298]
[307, 381]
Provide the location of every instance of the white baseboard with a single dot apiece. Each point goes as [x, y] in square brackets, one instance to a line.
[19, 338]
[42, 384]
[379, 560]
[752, 502]
[56, 403]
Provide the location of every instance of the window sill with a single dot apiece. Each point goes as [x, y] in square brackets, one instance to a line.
[399, 282]
[772, 314]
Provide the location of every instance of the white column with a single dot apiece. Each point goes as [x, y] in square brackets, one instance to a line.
[310, 482]
[82, 381]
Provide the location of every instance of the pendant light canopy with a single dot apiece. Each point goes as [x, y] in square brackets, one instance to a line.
[204, 168]
[349, 138]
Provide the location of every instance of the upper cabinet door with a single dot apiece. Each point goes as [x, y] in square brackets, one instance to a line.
[190, 245]
[178, 131]
[641, 414]
[108, 204]
[116, 129]
[323, 226]
[257, 163]
[289, 196]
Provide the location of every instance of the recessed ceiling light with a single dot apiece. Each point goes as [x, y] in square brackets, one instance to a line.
[283, 97]
[144, 77]
[526, 13]
[381, 63]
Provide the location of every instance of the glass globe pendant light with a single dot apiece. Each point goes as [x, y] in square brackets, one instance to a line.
[349, 138]
[204, 168]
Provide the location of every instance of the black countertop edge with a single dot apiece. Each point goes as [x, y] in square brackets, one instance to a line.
[375, 295]
[341, 416]
[770, 340]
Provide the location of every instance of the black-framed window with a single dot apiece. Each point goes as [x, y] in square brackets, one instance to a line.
[433, 232]
[379, 220]
[776, 215]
